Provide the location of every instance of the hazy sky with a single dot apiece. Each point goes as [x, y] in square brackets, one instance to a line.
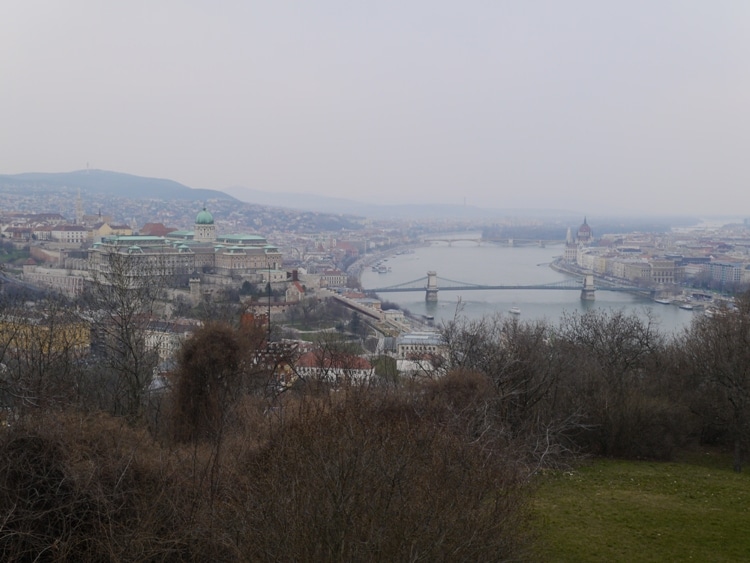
[586, 105]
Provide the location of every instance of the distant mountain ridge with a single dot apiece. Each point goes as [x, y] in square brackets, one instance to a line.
[423, 211]
[107, 183]
[129, 186]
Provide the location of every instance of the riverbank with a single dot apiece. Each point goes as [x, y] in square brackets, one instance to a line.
[356, 268]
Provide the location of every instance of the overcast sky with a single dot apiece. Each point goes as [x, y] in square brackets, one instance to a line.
[637, 105]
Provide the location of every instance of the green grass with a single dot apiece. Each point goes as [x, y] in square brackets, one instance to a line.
[313, 326]
[696, 509]
[14, 256]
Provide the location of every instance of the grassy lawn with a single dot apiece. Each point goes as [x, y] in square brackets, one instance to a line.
[696, 509]
[14, 256]
[315, 326]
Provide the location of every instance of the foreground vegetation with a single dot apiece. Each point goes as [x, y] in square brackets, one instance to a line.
[242, 456]
[361, 476]
[615, 510]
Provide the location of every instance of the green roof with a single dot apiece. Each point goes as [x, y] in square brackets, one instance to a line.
[204, 218]
[240, 238]
[132, 239]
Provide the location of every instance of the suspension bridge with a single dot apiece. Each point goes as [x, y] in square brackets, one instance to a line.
[431, 284]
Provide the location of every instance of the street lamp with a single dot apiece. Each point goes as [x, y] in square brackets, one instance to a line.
[268, 263]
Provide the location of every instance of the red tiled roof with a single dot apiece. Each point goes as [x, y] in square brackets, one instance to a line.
[314, 360]
[155, 230]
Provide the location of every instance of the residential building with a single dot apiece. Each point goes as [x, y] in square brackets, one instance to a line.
[334, 368]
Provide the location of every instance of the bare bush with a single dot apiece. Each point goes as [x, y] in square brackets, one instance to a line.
[368, 478]
[208, 381]
[83, 489]
[360, 477]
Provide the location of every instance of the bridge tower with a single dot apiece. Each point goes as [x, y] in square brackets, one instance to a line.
[431, 294]
[587, 293]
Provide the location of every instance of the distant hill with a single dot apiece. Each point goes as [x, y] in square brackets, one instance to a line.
[107, 183]
[395, 211]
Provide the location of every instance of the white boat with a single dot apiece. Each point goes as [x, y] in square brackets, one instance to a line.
[686, 306]
[663, 301]
[514, 311]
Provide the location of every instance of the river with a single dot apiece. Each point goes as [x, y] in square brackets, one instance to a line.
[491, 264]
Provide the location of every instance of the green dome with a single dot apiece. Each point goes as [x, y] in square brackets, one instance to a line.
[204, 218]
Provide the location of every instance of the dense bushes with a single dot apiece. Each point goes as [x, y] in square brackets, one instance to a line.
[85, 489]
[367, 478]
[361, 476]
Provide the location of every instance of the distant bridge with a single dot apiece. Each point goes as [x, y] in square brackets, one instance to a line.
[430, 285]
[450, 241]
[508, 242]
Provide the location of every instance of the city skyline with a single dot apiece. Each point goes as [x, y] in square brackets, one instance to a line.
[631, 107]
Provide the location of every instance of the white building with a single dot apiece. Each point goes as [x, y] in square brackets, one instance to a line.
[419, 343]
[334, 368]
[69, 234]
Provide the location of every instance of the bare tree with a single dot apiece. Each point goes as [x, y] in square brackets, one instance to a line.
[718, 350]
[525, 366]
[122, 301]
[41, 345]
[616, 370]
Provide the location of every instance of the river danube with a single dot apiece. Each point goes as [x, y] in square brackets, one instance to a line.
[502, 265]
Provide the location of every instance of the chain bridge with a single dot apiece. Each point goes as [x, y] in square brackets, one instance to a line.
[431, 284]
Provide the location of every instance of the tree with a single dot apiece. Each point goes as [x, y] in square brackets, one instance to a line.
[358, 327]
[614, 379]
[122, 299]
[524, 367]
[355, 323]
[41, 345]
[718, 350]
[208, 381]
[247, 288]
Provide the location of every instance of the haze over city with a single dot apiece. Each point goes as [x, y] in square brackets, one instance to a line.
[630, 107]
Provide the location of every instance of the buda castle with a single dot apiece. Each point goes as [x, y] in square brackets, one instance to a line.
[197, 252]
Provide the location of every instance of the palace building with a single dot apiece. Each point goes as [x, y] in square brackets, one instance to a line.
[198, 251]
